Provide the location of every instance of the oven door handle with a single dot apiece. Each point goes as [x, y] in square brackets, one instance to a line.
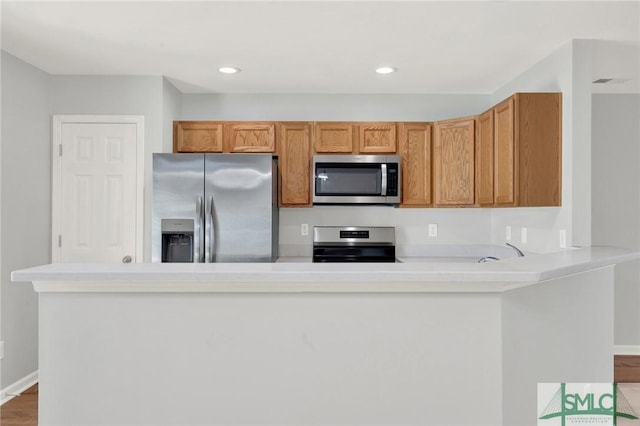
[383, 188]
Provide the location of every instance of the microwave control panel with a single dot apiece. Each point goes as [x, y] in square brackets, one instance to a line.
[392, 180]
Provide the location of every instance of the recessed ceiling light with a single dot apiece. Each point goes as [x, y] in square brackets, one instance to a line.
[385, 70]
[229, 70]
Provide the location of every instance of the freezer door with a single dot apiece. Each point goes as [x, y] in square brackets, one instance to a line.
[239, 200]
[178, 194]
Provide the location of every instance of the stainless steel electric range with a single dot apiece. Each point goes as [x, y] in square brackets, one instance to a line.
[354, 244]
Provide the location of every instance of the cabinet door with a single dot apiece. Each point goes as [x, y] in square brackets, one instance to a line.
[539, 149]
[333, 137]
[484, 158]
[504, 153]
[250, 137]
[453, 155]
[414, 141]
[197, 136]
[294, 165]
[377, 138]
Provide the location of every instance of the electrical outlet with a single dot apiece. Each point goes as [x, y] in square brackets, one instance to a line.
[563, 239]
[507, 233]
[304, 229]
[523, 234]
[433, 229]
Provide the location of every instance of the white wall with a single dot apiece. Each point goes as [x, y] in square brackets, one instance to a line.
[25, 209]
[272, 359]
[171, 110]
[617, 60]
[601, 182]
[615, 209]
[567, 70]
[321, 358]
[30, 97]
[456, 226]
[318, 107]
[550, 334]
[1, 269]
[121, 95]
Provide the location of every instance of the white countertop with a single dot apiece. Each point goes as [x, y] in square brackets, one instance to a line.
[300, 275]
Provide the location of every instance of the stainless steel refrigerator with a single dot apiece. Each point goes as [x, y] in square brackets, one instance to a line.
[215, 208]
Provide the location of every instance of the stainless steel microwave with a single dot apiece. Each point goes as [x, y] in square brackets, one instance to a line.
[356, 179]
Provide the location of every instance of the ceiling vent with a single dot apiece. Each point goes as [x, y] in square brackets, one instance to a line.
[611, 80]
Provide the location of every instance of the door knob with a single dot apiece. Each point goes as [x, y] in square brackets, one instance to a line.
[126, 259]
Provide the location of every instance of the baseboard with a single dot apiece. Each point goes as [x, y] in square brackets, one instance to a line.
[18, 387]
[626, 349]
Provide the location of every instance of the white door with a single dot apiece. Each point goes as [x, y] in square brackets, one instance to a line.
[97, 191]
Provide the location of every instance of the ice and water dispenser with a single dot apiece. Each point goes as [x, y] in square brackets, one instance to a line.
[177, 240]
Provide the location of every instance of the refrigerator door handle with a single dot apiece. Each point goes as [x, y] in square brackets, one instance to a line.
[210, 242]
[199, 233]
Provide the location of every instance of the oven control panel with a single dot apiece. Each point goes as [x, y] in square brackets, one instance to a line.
[354, 244]
[354, 234]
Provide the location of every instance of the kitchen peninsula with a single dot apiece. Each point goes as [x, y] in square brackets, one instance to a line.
[302, 343]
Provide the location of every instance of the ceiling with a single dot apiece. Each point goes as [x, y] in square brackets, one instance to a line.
[315, 46]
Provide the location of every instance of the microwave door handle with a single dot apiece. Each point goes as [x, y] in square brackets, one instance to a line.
[383, 188]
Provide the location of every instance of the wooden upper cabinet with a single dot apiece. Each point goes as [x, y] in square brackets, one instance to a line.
[510, 155]
[355, 137]
[377, 138]
[484, 158]
[294, 165]
[538, 130]
[250, 137]
[453, 162]
[526, 163]
[217, 136]
[333, 137]
[504, 184]
[414, 147]
[197, 136]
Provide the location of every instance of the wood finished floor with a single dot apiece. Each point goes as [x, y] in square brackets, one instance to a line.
[626, 369]
[23, 410]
